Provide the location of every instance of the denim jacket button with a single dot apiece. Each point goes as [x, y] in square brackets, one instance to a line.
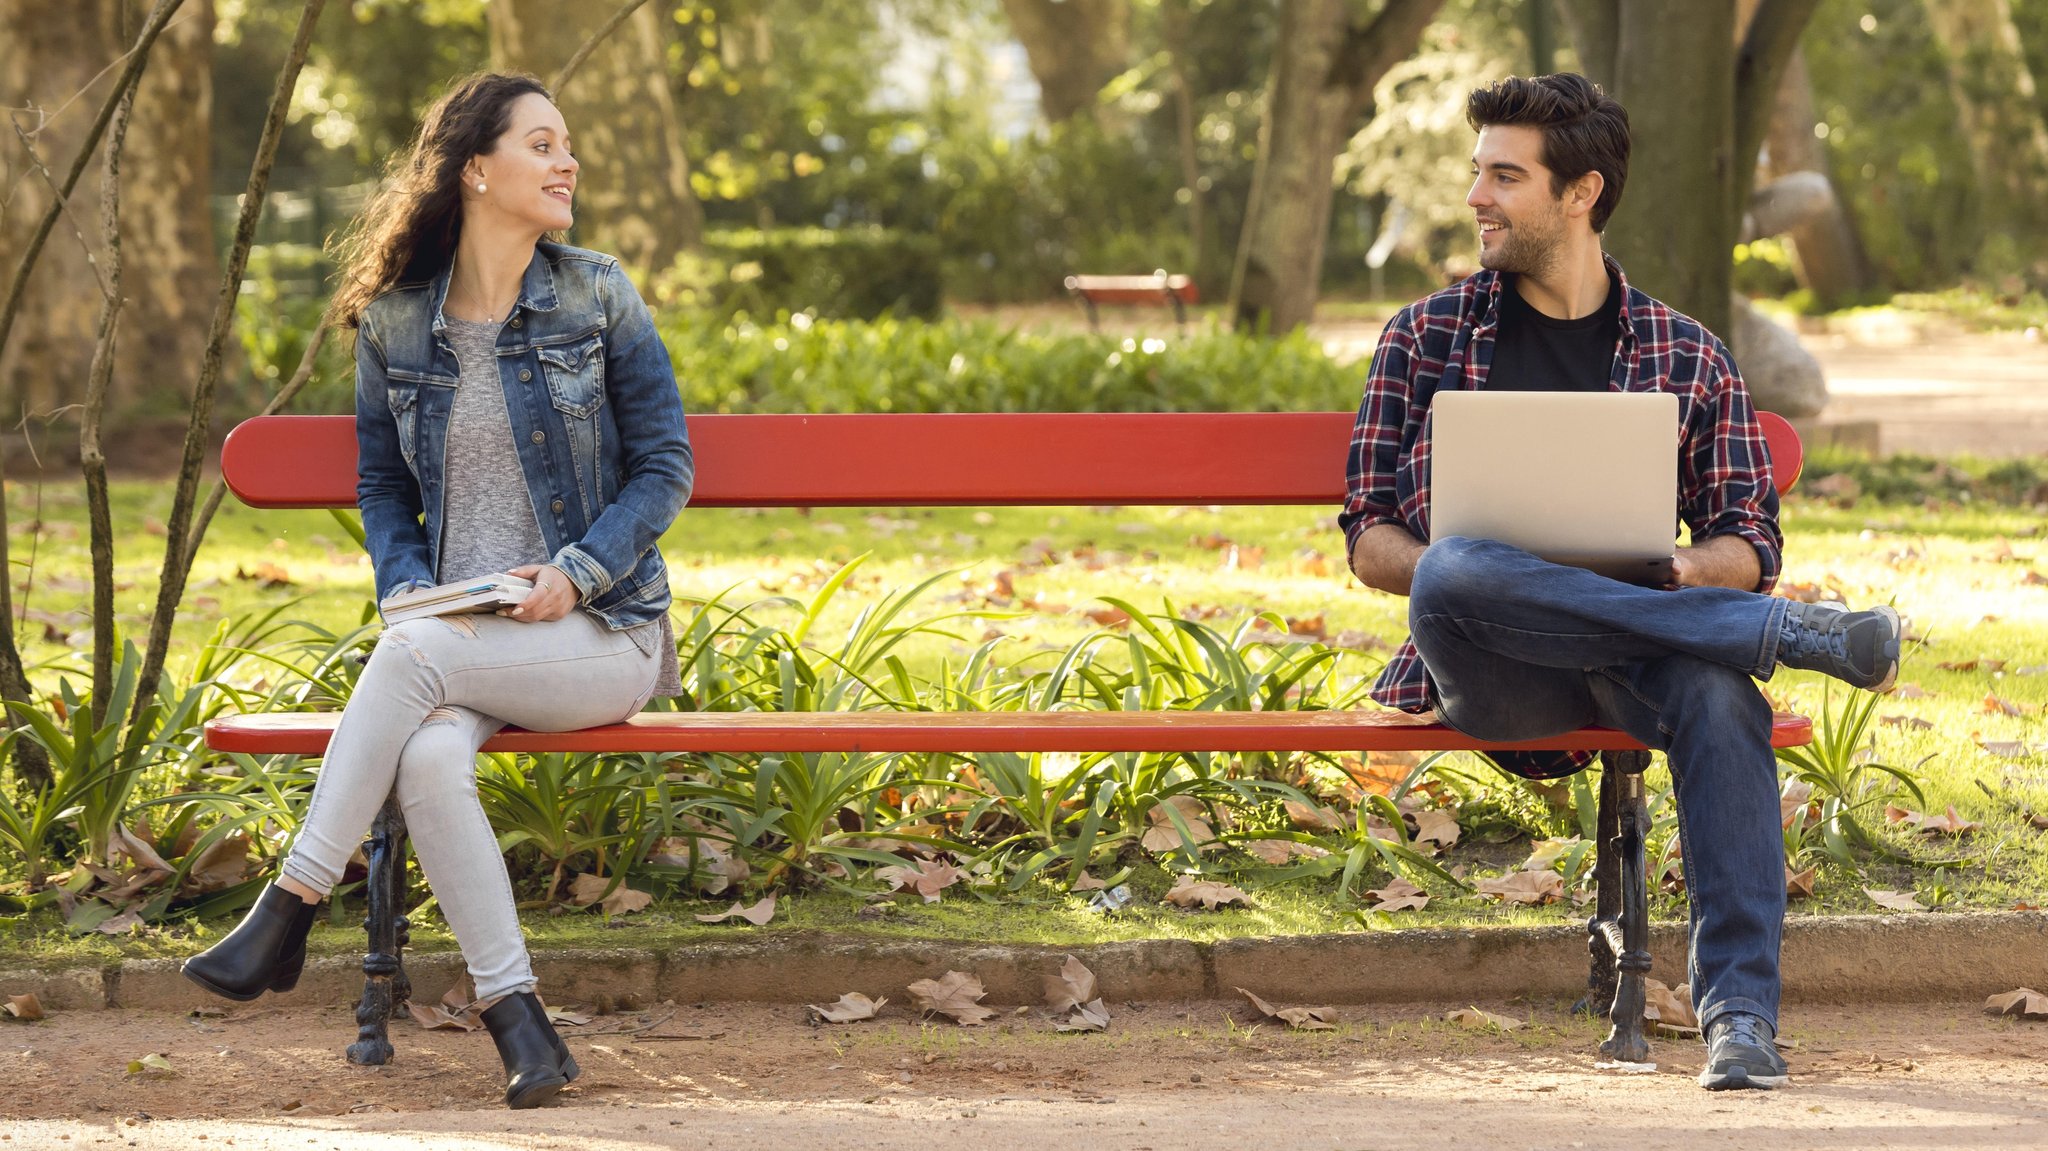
[525, 374]
[515, 321]
[557, 505]
[540, 437]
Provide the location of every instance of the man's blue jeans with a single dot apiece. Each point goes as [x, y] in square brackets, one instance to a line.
[1522, 649]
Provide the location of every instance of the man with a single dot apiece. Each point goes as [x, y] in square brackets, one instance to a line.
[1505, 646]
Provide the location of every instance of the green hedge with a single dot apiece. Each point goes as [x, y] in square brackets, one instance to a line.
[892, 365]
[848, 273]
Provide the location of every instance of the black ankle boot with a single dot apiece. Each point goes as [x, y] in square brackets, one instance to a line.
[562, 1057]
[265, 953]
[526, 1042]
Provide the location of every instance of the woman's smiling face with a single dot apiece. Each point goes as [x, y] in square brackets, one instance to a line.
[530, 174]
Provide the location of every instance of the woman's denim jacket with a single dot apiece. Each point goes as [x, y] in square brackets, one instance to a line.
[595, 415]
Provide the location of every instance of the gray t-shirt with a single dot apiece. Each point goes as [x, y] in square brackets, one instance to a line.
[487, 517]
[487, 521]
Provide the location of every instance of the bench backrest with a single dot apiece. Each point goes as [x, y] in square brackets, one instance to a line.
[1036, 458]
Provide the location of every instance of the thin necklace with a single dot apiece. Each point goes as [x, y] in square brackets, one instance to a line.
[491, 315]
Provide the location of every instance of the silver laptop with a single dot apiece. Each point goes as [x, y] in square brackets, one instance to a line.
[1588, 479]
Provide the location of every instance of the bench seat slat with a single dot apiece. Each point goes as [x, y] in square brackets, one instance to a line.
[307, 733]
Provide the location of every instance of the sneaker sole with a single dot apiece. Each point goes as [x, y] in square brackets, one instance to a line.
[1891, 650]
[1740, 1079]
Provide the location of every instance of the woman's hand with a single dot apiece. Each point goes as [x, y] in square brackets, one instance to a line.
[553, 595]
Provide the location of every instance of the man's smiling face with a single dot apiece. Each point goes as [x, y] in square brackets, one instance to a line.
[1521, 223]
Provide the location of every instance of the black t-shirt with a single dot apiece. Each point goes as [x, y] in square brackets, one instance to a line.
[1534, 353]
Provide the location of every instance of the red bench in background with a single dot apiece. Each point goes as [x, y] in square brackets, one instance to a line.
[1041, 459]
[1157, 288]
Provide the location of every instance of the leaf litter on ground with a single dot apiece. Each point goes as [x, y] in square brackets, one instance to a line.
[1297, 1018]
[852, 1007]
[1071, 998]
[26, 1008]
[1482, 1020]
[1189, 892]
[758, 915]
[1531, 887]
[2026, 1003]
[1399, 895]
[956, 995]
[928, 878]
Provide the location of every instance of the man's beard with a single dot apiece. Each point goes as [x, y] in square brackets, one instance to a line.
[1529, 249]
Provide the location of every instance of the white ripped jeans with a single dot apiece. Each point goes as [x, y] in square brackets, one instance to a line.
[433, 691]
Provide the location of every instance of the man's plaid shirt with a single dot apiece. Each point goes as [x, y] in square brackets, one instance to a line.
[1446, 341]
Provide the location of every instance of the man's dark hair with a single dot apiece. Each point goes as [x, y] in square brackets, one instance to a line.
[1584, 129]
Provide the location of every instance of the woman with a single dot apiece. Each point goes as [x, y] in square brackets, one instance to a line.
[516, 412]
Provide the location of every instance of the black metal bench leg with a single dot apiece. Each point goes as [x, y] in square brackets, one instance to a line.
[1626, 1042]
[1603, 931]
[385, 984]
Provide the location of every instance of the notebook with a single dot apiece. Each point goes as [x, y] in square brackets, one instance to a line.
[1588, 479]
[484, 593]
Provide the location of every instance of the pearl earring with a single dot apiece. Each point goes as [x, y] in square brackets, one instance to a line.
[479, 187]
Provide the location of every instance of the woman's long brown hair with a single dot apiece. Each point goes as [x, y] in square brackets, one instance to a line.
[409, 229]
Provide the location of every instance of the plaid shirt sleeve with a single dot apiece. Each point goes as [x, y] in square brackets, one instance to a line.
[1370, 494]
[1725, 469]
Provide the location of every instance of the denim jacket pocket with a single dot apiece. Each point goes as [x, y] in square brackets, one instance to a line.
[404, 397]
[575, 374]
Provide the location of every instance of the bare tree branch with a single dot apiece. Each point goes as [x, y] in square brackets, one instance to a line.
[284, 396]
[92, 461]
[1759, 69]
[138, 57]
[171, 588]
[35, 161]
[562, 77]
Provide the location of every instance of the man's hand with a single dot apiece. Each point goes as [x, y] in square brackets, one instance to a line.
[1721, 561]
[1386, 556]
[553, 595]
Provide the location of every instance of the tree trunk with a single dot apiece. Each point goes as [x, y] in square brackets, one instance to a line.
[1675, 228]
[52, 52]
[1324, 69]
[1176, 16]
[1074, 47]
[1995, 100]
[1698, 100]
[633, 199]
[1830, 257]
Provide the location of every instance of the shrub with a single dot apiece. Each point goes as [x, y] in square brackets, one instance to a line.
[803, 365]
[847, 273]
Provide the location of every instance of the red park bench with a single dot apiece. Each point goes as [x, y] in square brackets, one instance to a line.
[1157, 288]
[1066, 459]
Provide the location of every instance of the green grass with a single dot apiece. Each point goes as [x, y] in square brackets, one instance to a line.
[1959, 571]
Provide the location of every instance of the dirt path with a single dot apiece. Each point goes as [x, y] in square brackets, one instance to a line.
[1167, 1075]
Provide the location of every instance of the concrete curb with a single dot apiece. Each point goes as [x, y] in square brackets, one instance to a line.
[1834, 959]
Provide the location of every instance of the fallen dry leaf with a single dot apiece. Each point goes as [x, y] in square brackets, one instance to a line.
[758, 915]
[1481, 1020]
[1946, 824]
[1546, 853]
[1311, 818]
[152, 1066]
[1207, 892]
[564, 1017]
[1799, 884]
[1297, 1018]
[852, 1007]
[1995, 705]
[1670, 1008]
[1090, 1016]
[1438, 827]
[26, 1008]
[1164, 836]
[2026, 1003]
[221, 865]
[1525, 887]
[1894, 900]
[1399, 895]
[1909, 722]
[1279, 851]
[458, 1009]
[589, 888]
[1910, 691]
[928, 878]
[121, 924]
[955, 995]
[1069, 987]
[1981, 663]
[2004, 748]
[1088, 882]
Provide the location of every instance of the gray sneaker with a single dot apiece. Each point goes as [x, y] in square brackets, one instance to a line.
[1860, 648]
[1742, 1052]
